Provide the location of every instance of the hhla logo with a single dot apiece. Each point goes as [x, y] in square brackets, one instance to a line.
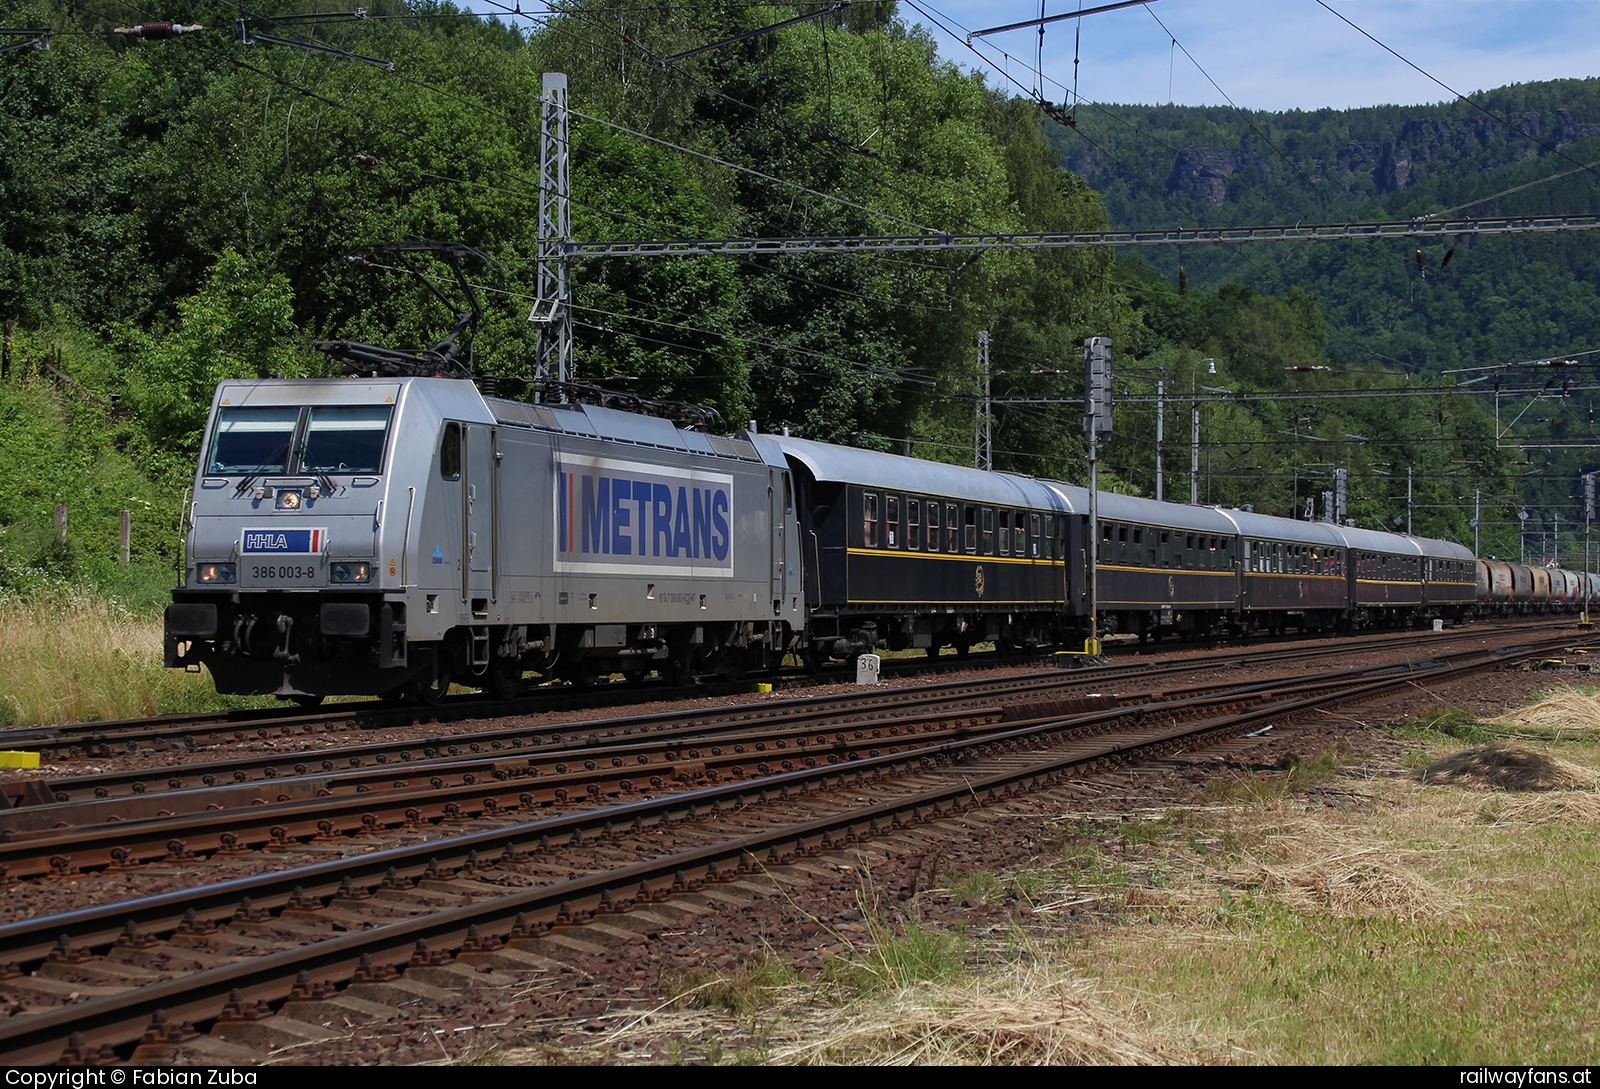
[283, 540]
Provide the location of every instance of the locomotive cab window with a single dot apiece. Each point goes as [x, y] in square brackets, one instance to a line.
[345, 439]
[450, 453]
[253, 439]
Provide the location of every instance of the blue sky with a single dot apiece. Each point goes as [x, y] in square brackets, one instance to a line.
[1282, 54]
[1272, 54]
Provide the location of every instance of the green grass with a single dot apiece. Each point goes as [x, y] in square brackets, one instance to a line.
[897, 957]
[750, 987]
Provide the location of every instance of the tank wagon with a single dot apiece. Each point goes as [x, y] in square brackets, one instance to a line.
[391, 536]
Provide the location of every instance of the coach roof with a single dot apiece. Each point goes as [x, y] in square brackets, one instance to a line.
[891, 472]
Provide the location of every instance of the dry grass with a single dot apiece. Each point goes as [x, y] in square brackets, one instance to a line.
[72, 658]
[1574, 808]
[1024, 1013]
[1368, 881]
[1564, 713]
[1029, 1014]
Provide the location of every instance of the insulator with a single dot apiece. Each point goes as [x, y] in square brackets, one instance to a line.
[159, 31]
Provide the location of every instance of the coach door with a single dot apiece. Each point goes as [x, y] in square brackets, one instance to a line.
[477, 514]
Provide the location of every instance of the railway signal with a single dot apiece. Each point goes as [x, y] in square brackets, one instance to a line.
[1096, 388]
[1096, 425]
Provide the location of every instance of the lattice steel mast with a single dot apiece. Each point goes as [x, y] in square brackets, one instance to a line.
[552, 311]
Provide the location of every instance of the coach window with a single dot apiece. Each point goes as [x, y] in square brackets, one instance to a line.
[952, 528]
[913, 523]
[933, 525]
[970, 521]
[450, 453]
[891, 522]
[1033, 535]
[869, 520]
[1004, 530]
[988, 531]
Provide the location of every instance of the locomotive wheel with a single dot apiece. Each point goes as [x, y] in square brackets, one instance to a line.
[431, 693]
[505, 679]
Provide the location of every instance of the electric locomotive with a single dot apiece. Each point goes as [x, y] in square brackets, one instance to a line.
[390, 536]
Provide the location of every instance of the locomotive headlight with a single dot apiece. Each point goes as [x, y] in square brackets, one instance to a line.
[350, 572]
[215, 572]
[288, 500]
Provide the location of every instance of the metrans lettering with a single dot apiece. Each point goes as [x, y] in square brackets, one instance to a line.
[278, 542]
[622, 517]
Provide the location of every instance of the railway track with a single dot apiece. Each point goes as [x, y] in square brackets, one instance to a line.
[187, 732]
[492, 888]
[498, 753]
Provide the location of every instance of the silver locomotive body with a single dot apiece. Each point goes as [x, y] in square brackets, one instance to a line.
[356, 536]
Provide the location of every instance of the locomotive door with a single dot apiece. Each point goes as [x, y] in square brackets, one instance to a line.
[780, 508]
[477, 500]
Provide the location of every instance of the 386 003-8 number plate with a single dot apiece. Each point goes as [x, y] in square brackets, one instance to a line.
[280, 573]
[276, 555]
